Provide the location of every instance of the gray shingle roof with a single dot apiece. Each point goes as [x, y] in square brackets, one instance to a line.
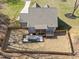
[43, 17]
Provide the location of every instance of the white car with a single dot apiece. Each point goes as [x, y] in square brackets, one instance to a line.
[33, 38]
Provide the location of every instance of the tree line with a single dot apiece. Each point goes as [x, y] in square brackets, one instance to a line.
[12, 1]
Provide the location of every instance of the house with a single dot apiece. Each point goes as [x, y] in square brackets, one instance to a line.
[39, 20]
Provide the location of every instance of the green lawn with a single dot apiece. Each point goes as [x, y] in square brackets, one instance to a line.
[13, 10]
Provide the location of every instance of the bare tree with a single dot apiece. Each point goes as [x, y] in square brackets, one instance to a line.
[71, 15]
[75, 6]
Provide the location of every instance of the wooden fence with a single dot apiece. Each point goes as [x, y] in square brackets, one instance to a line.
[4, 46]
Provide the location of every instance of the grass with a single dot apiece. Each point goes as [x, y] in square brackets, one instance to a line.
[13, 10]
[64, 8]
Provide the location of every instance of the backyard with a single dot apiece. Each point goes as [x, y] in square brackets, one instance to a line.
[54, 44]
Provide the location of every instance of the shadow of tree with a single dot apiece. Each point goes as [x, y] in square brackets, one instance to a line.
[63, 25]
[4, 19]
[71, 16]
[4, 55]
[64, 0]
[13, 1]
[37, 56]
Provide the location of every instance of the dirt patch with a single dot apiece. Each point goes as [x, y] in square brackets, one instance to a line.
[59, 43]
[75, 38]
[2, 5]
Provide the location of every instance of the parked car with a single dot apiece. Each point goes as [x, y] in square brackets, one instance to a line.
[33, 38]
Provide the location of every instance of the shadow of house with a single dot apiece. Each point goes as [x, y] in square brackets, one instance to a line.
[60, 33]
[4, 19]
[63, 25]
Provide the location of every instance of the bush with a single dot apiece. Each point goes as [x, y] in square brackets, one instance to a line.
[13, 1]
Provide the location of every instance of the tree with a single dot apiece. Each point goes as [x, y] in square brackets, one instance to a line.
[75, 6]
[72, 15]
[13, 1]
